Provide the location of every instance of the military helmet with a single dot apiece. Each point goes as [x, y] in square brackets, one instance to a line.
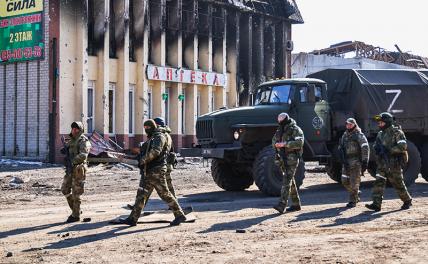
[385, 117]
[351, 121]
[159, 121]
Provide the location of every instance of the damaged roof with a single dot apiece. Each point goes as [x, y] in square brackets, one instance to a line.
[286, 9]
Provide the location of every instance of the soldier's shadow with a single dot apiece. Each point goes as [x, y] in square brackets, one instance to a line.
[363, 217]
[24, 230]
[239, 224]
[326, 213]
[115, 232]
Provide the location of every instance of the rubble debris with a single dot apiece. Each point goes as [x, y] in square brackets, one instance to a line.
[16, 180]
[9, 254]
[108, 151]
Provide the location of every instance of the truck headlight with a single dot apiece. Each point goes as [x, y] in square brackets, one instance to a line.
[236, 135]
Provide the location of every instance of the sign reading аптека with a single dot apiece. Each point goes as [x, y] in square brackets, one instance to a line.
[21, 30]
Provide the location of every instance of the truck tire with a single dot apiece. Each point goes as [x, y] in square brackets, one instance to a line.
[268, 176]
[424, 156]
[410, 174]
[334, 171]
[228, 178]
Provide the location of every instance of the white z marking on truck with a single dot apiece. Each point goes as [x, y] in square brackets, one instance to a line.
[397, 94]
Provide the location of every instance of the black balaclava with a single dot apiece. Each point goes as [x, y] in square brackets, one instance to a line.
[151, 127]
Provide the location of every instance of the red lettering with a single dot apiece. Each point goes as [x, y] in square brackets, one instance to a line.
[28, 52]
[18, 54]
[169, 74]
[216, 80]
[155, 73]
[4, 23]
[37, 51]
[192, 76]
[181, 75]
[204, 78]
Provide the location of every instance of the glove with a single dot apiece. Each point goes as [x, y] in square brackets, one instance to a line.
[364, 167]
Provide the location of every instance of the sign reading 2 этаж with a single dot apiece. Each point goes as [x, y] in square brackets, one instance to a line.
[21, 30]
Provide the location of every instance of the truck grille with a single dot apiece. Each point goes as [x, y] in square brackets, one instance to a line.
[204, 129]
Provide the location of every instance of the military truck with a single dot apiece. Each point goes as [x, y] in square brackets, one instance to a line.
[238, 141]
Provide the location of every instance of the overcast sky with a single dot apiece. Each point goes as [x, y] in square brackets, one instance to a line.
[377, 22]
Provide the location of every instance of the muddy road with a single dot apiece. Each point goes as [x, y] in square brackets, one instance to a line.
[32, 216]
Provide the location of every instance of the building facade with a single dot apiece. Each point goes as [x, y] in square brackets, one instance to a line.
[114, 63]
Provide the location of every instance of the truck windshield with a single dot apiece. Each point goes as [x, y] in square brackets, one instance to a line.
[273, 94]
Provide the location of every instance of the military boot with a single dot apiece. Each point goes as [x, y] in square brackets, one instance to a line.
[280, 207]
[351, 205]
[178, 220]
[127, 221]
[294, 208]
[72, 219]
[373, 207]
[406, 205]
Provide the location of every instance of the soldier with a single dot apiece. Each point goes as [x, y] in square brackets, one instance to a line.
[154, 165]
[391, 154]
[76, 150]
[288, 143]
[354, 150]
[171, 160]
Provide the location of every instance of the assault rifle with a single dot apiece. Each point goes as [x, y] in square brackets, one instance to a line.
[381, 151]
[281, 156]
[342, 155]
[67, 160]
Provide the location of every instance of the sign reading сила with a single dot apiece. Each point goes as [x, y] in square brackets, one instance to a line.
[21, 30]
[185, 76]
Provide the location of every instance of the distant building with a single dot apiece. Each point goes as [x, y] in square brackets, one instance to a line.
[354, 55]
[114, 63]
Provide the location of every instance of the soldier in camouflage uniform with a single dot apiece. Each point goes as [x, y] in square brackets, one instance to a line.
[160, 122]
[391, 153]
[288, 143]
[354, 150]
[78, 148]
[154, 165]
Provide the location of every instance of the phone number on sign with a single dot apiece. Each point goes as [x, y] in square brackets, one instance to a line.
[19, 53]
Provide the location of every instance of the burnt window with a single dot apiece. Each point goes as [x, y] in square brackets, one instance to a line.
[112, 51]
[91, 29]
[131, 32]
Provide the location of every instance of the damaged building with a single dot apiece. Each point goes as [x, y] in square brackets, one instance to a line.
[114, 63]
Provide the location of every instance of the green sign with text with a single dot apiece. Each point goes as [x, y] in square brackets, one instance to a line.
[21, 30]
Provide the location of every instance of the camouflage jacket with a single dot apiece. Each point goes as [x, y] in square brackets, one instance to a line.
[155, 151]
[79, 147]
[394, 142]
[292, 135]
[355, 146]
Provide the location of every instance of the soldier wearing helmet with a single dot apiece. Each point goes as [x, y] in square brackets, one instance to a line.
[354, 149]
[391, 152]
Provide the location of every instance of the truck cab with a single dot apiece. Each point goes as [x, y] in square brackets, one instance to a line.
[238, 141]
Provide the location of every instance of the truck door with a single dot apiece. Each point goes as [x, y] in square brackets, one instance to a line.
[313, 112]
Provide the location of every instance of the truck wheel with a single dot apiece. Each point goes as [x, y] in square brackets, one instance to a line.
[334, 171]
[410, 174]
[424, 156]
[228, 178]
[268, 176]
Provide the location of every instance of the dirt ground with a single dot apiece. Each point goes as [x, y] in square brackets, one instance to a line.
[32, 226]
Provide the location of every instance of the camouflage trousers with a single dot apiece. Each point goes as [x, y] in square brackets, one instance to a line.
[289, 187]
[73, 187]
[169, 180]
[351, 179]
[395, 177]
[154, 180]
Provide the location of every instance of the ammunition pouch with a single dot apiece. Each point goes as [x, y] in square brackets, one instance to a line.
[171, 158]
